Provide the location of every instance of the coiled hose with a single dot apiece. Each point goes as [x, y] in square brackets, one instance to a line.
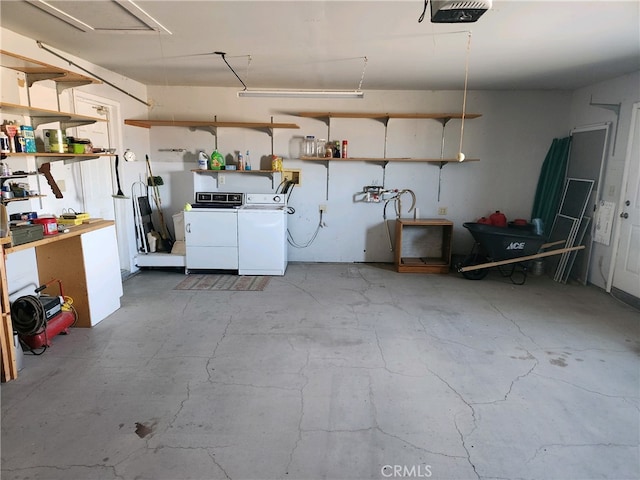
[28, 315]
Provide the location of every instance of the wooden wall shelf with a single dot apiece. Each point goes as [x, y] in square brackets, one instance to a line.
[36, 71]
[52, 157]
[382, 116]
[206, 123]
[42, 115]
[385, 160]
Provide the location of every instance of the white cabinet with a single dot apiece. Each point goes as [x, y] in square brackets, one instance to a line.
[211, 239]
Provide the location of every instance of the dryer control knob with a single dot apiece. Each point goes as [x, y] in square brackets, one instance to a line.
[276, 199]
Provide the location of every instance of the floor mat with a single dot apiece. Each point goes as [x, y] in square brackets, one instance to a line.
[240, 283]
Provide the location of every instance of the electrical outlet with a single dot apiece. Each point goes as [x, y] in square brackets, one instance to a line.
[294, 176]
[222, 179]
[323, 208]
[442, 210]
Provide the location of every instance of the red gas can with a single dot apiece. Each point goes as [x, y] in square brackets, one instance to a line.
[498, 219]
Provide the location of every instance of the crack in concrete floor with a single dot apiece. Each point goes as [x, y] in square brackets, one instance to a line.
[441, 356]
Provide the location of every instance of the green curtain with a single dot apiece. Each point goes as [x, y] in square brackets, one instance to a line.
[550, 183]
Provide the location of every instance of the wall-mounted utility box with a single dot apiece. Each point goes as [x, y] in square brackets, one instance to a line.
[294, 175]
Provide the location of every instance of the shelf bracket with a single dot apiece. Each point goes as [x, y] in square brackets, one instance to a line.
[326, 120]
[384, 170]
[75, 123]
[36, 121]
[615, 108]
[385, 121]
[62, 86]
[444, 121]
[65, 159]
[326, 188]
[210, 129]
[32, 78]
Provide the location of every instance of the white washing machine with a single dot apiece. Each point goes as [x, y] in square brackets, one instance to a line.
[262, 234]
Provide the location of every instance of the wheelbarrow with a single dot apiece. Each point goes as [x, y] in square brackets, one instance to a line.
[509, 249]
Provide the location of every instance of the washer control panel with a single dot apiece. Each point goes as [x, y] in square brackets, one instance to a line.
[265, 199]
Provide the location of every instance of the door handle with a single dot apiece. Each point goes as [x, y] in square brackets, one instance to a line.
[627, 203]
[188, 228]
[624, 215]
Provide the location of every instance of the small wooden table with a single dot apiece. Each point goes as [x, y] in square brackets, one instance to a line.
[423, 245]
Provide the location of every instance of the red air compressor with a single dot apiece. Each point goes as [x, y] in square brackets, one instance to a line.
[38, 319]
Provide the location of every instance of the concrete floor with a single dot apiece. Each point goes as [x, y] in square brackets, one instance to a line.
[336, 371]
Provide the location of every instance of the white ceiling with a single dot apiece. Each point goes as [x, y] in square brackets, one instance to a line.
[322, 44]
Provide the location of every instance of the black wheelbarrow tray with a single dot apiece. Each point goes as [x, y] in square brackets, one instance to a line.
[506, 246]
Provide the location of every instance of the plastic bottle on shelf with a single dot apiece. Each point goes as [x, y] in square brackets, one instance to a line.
[247, 161]
[216, 161]
[240, 161]
[4, 143]
[203, 160]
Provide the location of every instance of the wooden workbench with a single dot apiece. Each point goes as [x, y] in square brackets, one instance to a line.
[85, 260]
[74, 231]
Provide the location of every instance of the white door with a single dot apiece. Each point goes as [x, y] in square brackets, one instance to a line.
[97, 176]
[97, 185]
[627, 258]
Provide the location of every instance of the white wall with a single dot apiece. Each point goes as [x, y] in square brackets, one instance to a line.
[511, 140]
[624, 90]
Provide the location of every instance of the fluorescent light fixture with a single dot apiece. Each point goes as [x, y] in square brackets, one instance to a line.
[302, 93]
